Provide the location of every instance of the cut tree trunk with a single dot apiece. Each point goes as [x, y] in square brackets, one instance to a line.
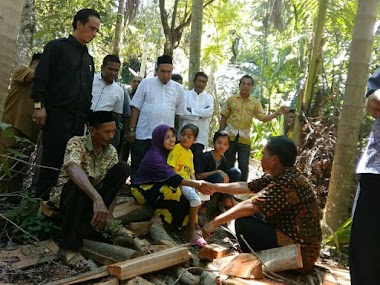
[105, 253]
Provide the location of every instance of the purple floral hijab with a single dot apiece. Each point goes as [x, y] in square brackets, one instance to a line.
[153, 167]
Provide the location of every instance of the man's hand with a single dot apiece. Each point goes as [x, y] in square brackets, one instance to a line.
[39, 117]
[131, 136]
[209, 229]
[99, 218]
[205, 187]
[373, 104]
[226, 179]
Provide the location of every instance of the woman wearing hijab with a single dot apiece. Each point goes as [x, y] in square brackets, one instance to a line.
[157, 184]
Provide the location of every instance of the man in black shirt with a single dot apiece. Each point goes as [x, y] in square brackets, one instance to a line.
[62, 94]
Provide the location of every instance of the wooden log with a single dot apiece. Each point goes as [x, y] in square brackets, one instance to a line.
[136, 281]
[160, 236]
[83, 277]
[105, 253]
[208, 278]
[281, 258]
[149, 263]
[187, 278]
[140, 228]
[130, 211]
[112, 281]
[212, 251]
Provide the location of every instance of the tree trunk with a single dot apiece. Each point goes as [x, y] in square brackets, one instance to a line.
[315, 55]
[10, 14]
[25, 34]
[340, 188]
[118, 28]
[195, 40]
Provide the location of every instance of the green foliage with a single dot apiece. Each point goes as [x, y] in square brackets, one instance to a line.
[262, 131]
[28, 216]
[340, 238]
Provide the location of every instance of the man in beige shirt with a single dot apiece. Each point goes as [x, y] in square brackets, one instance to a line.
[18, 111]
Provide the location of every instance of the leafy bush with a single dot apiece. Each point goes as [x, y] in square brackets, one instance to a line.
[28, 216]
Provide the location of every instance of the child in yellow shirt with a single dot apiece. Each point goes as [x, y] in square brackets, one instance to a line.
[181, 159]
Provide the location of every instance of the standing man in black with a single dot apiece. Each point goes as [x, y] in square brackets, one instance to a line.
[62, 93]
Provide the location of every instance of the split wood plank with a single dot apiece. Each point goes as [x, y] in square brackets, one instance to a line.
[149, 263]
[212, 251]
[27, 255]
[83, 277]
[140, 228]
[130, 211]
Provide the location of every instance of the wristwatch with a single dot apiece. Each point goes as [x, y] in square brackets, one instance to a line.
[37, 105]
[131, 129]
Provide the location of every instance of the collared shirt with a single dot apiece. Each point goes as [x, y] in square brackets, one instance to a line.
[288, 202]
[80, 151]
[106, 97]
[18, 107]
[370, 160]
[202, 108]
[64, 75]
[158, 104]
[240, 113]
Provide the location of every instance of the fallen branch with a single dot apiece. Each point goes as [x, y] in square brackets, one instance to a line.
[29, 163]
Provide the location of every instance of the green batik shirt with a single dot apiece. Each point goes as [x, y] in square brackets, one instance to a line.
[80, 151]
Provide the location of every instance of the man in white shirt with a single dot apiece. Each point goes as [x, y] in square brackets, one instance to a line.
[199, 109]
[107, 95]
[157, 101]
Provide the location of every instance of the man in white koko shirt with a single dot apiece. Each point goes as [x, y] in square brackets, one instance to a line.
[157, 101]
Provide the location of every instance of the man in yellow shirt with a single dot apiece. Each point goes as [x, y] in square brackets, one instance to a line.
[237, 116]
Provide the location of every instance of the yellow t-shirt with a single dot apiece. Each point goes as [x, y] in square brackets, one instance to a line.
[181, 160]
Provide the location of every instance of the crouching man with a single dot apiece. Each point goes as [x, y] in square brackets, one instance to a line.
[89, 180]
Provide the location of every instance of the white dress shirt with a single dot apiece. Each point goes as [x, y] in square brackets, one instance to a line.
[106, 97]
[158, 104]
[202, 108]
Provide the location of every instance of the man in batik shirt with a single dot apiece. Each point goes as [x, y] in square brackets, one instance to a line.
[284, 210]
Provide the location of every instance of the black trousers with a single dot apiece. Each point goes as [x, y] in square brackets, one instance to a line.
[197, 150]
[77, 207]
[365, 232]
[61, 125]
[138, 151]
[258, 234]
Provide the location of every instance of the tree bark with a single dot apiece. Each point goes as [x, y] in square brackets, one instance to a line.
[195, 40]
[340, 188]
[315, 55]
[25, 35]
[10, 14]
[119, 28]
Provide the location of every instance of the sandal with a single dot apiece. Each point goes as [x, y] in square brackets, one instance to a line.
[200, 241]
[74, 259]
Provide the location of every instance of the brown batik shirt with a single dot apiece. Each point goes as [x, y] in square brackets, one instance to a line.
[288, 202]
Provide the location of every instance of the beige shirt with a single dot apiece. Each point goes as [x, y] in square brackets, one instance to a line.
[18, 108]
[80, 151]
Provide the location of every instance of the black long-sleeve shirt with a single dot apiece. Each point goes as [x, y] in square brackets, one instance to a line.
[64, 76]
